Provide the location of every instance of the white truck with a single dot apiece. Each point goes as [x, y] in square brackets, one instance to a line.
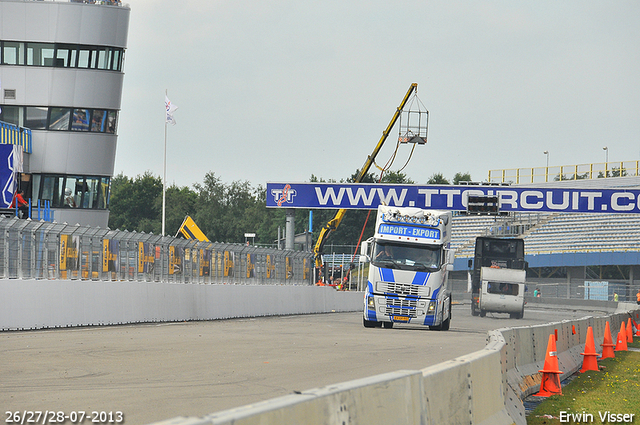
[410, 260]
[502, 291]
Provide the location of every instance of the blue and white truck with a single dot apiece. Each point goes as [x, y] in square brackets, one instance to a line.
[410, 260]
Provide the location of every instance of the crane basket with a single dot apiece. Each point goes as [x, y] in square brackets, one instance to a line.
[414, 123]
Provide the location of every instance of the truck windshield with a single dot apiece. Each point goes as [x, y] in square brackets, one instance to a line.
[407, 257]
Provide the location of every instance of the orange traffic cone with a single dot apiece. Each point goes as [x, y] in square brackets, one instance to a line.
[607, 344]
[637, 328]
[573, 329]
[590, 361]
[550, 384]
[621, 341]
[629, 332]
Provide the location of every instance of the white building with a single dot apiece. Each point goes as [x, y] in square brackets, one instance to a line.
[61, 75]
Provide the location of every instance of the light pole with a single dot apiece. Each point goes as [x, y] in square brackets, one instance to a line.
[546, 170]
[606, 161]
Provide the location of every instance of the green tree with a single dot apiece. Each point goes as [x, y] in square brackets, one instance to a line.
[133, 203]
[396, 177]
[367, 178]
[210, 212]
[180, 202]
[437, 178]
[460, 177]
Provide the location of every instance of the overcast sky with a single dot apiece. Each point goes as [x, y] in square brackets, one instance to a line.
[279, 90]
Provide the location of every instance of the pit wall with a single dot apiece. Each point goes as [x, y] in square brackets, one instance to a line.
[483, 388]
[42, 304]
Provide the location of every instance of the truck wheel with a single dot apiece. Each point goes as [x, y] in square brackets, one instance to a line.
[387, 325]
[368, 323]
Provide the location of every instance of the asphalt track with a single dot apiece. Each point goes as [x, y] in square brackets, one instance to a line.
[153, 372]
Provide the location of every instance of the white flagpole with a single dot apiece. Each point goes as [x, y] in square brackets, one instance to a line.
[164, 174]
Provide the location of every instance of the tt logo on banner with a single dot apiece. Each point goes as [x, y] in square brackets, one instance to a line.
[283, 195]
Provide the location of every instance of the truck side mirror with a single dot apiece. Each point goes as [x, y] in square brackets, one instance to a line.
[364, 247]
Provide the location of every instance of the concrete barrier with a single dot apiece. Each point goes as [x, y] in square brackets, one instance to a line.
[41, 304]
[486, 387]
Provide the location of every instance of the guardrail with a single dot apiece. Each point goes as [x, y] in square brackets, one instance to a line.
[49, 250]
[486, 387]
[565, 172]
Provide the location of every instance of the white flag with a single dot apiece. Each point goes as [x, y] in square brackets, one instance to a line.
[170, 107]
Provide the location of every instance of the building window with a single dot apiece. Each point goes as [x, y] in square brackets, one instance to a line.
[65, 56]
[116, 64]
[12, 53]
[80, 120]
[98, 120]
[59, 119]
[36, 118]
[111, 122]
[12, 115]
[40, 54]
[66, 191]
[61, 55]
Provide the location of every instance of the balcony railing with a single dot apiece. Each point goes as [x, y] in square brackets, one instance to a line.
[11, 134]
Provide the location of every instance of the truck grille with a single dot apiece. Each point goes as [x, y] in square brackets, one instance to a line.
[403, 289]
[401, 307]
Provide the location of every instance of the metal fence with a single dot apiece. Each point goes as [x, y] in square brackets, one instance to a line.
[49, 250]
[579, 289]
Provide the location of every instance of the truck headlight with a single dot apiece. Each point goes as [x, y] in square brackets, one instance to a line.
[432, 307]
[370, 303]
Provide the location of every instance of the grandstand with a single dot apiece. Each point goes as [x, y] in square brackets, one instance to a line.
[566, 248]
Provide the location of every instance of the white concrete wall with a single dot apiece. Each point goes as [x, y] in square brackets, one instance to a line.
[38, 304]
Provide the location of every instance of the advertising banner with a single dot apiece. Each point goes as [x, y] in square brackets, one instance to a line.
[306, 268]
[271, 267]
[205, 262]
[450, 197]
[228, 263]
[251, 265]
[10, 165]
[145, 257]
[289, 267]
[69, 259]
[110, 249]
[175, 259]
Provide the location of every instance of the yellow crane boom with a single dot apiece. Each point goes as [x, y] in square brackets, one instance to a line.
[335, 221]
[190, 230]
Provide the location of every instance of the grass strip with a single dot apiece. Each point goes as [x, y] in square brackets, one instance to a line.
[592, 397]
